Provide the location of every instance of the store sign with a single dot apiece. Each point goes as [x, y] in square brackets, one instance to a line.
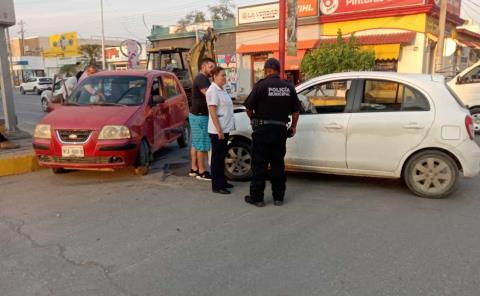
[7, 13]
[20, 63]
[453, 6]
[271, 11]
[332, 7]
[112, 53]
[66, 43]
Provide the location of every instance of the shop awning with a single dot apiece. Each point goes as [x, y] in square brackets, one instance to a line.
[377, 39]
[471, 44]
[273, 47]
[385, 51]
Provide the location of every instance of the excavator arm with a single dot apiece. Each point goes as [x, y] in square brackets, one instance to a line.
[204, 48]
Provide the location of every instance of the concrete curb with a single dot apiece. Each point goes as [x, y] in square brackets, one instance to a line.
[18, 164]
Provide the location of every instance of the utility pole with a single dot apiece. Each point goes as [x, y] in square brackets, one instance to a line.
[10, 54]
[103, 36]
[441, 36]
[281, 37]
[6, 90]
[22, 24]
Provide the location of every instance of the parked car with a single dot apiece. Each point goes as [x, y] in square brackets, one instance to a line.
[467, 86]
[52, 97]
[35, 85]
[375, 124]
[114, 120]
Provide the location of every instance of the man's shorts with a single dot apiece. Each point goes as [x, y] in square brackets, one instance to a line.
[199, 128]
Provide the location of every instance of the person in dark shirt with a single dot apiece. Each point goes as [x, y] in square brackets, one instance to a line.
[269, 106]
[199, 121]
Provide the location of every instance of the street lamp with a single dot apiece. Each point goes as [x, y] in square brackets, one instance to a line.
[103, 36]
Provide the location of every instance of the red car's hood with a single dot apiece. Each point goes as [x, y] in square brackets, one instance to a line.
[89, 117]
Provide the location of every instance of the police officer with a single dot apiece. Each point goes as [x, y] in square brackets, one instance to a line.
[269, 106]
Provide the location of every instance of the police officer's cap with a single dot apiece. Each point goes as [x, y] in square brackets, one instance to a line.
[273, 64]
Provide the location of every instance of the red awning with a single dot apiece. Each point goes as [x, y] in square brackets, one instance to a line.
[378, 39]
[272, 47]
[471, 44]
[394, 38]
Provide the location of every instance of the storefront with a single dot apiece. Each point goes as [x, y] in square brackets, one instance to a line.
[401, 33]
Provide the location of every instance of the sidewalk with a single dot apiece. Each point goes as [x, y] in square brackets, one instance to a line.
[18, 161]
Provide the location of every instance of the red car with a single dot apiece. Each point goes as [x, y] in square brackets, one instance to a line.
[114, 120]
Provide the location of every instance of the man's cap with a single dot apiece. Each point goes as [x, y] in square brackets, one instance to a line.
[273, 64]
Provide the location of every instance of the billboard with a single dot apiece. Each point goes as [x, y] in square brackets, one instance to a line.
[271, 11]
[64, 44]
[335, 7]
[7, 13]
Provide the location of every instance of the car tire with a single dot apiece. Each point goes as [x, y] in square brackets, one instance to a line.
[37, 91]
[431, 174]
[22, 91]
[238, 162]
[44, 105]
[142, 165]
[184, 139]
[58, 171]
[476, 119]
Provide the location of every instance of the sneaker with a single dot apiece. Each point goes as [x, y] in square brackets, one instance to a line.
[193, 173]
[205, 176]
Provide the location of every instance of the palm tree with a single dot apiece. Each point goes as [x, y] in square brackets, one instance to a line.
[92, 52]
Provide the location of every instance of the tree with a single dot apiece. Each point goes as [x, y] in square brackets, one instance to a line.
[336, 57]
[193, 17]
[92, 52]
[223, 10]
[68, 70]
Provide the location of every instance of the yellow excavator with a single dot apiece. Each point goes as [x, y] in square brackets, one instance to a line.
[184, 62]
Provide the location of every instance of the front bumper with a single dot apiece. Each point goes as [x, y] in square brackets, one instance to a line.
[97, 155]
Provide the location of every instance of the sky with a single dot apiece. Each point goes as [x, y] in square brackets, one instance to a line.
[125, 18]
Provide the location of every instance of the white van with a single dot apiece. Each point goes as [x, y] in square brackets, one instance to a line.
[467, 86]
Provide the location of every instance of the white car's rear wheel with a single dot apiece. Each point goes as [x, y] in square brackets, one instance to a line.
[476, 119]
[238, 162]
[431, 174]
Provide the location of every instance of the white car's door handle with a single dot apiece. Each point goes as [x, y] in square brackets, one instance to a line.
[413, 126]
[334, 126]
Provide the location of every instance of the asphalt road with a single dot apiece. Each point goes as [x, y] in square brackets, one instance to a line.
[94, 233]
[28, 109]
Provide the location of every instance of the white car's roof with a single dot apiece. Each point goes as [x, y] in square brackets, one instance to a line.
[413, 78]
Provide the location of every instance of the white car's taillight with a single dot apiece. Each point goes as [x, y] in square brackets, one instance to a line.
[469, 126]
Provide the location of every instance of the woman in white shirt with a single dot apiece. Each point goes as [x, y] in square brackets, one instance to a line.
[220, 123]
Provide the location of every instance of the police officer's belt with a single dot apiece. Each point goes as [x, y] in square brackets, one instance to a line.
[261, 122]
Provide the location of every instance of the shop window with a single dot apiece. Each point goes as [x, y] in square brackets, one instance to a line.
[325, 98]
[388, 96]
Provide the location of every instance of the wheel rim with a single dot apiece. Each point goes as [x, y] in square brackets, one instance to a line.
[238, 161]
[432, 175]
[44, 105]
[476, 122]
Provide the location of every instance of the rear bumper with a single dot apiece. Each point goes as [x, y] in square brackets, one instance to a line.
[469, 156]
[110, 155]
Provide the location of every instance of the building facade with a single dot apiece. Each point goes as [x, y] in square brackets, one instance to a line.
[403, 34]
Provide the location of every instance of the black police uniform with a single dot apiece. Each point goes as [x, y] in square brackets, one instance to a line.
[272, 100]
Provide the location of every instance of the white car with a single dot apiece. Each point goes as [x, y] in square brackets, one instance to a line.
[375, 124]
[467, 86]
[36, 85]
[48, 96]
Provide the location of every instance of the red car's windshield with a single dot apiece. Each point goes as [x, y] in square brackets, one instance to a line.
[110, 90]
